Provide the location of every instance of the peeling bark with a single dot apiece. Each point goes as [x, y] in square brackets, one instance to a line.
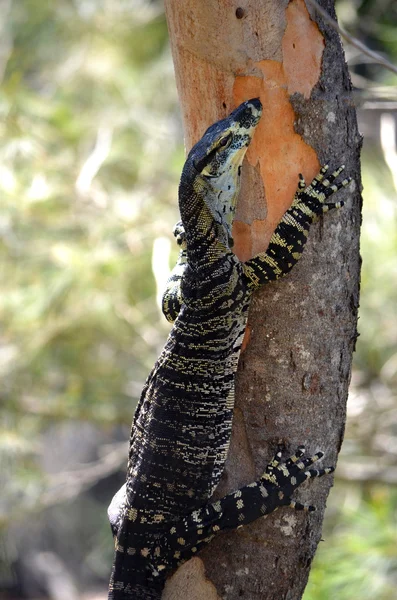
[294, 371]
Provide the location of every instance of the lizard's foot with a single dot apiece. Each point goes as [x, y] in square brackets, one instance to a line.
[195, 530]
[322, 187]
[179, 233]
[281, 479]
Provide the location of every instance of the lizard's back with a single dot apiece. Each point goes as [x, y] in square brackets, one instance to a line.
[181, 433]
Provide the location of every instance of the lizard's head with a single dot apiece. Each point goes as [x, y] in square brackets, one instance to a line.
[215, 164]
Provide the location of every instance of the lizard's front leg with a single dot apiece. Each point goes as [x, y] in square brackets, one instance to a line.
[288, 241]
[172, 298]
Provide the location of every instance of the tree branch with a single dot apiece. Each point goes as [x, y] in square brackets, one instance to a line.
[351, 39]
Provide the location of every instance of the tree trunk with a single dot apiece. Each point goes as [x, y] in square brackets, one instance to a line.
[294, 370]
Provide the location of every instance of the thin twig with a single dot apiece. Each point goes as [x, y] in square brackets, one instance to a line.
[95, 160]
[352, 40]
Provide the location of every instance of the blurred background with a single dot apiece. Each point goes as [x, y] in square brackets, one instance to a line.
[90, 157]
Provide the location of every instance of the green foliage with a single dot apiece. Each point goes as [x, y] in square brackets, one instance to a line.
[88, 134]
[378, 341]
[358, 558]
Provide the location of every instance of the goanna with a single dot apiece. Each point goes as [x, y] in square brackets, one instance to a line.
[182, 425]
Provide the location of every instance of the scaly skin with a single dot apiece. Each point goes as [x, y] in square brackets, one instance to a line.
[182, 425]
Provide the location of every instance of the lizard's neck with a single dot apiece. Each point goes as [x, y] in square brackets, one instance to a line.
[208, 232]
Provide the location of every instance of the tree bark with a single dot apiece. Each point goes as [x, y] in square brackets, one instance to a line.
[294, 370]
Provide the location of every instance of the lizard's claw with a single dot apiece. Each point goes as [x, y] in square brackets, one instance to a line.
[322, 187]
[300, 506]
[281, 479]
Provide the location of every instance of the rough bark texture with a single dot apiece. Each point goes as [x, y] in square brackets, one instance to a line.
[294, 371]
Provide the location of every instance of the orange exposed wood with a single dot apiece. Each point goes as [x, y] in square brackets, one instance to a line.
[303, 47]
[246, 338]
[280, 152]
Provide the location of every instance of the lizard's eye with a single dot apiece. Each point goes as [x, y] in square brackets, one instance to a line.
[203, 165]
[225, 141]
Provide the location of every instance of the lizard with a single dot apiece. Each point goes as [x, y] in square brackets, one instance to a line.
[181, 429]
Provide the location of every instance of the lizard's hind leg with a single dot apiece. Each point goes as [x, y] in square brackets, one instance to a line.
[274, 489]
